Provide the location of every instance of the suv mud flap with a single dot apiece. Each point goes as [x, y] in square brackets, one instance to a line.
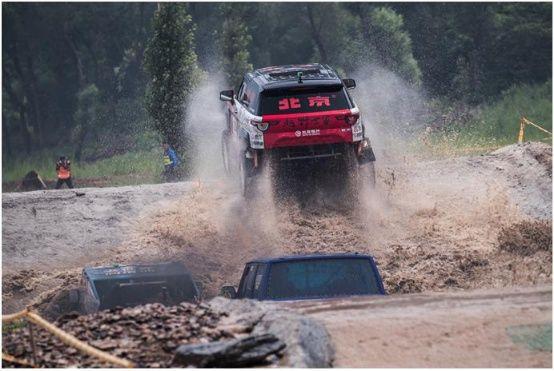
[366, 156]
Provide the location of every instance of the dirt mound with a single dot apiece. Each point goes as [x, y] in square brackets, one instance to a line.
[20, 282]
[526, 238]
[540, 152]
[527, 172]
[423, 268]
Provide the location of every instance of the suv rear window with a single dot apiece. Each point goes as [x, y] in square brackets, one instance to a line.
[131, 292]
[297, 100]
[321, 278]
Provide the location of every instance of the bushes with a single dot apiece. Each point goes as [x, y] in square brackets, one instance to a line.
[500, 120]
[496, 124]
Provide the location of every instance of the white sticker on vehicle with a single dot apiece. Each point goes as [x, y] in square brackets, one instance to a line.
[307, 133]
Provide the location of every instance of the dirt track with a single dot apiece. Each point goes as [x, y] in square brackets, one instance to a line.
[463, 329]
[432, 226]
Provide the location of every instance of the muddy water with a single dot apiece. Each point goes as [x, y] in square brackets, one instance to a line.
[432, 226]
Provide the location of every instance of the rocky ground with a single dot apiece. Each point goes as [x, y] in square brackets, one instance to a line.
[433, 226]
[221, 333]
[146, 335]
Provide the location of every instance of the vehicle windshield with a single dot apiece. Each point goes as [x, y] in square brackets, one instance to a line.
[321, 279]
[305, 99]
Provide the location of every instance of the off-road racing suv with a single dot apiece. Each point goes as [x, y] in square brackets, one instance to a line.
[293, 114]
[131, 285]
[305, 277]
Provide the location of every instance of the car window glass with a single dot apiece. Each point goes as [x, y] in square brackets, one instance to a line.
[89, 288]
[258, 280]
[285, 101]
[321, 278]
[250, 281]
[247, 283]
[241, 88]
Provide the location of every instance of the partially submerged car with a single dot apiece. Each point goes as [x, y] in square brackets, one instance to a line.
[130, 285]
[304, 277]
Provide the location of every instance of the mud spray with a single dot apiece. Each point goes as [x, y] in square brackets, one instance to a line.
[432, 225]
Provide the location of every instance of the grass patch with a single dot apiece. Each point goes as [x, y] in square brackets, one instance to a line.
[501, 119]
[126, 169]
[496, 124]
[14, 325]
[534, 337]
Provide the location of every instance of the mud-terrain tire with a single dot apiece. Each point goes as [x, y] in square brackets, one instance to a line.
[247, 178]
[225, 152]
[278, 179]
[350, 175]
[288, 179]
[366, 176]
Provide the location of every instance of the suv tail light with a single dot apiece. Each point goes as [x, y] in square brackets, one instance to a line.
[262, 126]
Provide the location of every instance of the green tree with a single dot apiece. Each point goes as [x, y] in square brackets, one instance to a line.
[335, 34]
[234, 40]
[86, 117]
[171, 62]
[388, 44]
[522, 46]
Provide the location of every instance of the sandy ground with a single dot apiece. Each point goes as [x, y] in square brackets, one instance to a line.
[433, 226]
[63, 228]
[48, 236]
[462, 329]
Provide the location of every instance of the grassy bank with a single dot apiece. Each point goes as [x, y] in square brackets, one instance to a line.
[496, 124]
[125, 169]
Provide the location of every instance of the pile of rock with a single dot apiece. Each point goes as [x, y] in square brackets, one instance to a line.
[221, 333]
[147, 335]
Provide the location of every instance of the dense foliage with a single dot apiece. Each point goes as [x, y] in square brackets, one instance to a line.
[75, 75]
[171, 62]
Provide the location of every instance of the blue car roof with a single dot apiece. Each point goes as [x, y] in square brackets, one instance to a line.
[310, 257]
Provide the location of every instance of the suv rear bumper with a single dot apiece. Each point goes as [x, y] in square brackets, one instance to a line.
[308, 137]
[314, 152]
[330, 151]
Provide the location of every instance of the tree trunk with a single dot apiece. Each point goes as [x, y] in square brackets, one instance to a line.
[75, 55]
[316, 35]
[25, 130]
[35, 100]
[81, 143]
[7, 147]
[29, 93]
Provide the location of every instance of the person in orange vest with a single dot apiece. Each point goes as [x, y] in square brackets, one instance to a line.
[63, 168]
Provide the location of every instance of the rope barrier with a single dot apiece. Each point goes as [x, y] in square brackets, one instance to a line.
[14, 316]
[66, 338]
[21, 362]
[524, 121]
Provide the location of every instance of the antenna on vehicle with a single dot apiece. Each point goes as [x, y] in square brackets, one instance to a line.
[299, 74]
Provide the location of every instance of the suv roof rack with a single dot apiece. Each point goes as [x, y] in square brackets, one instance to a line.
[293, 73]
[314, 71]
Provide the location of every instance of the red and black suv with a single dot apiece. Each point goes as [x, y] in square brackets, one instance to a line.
[291, 114]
